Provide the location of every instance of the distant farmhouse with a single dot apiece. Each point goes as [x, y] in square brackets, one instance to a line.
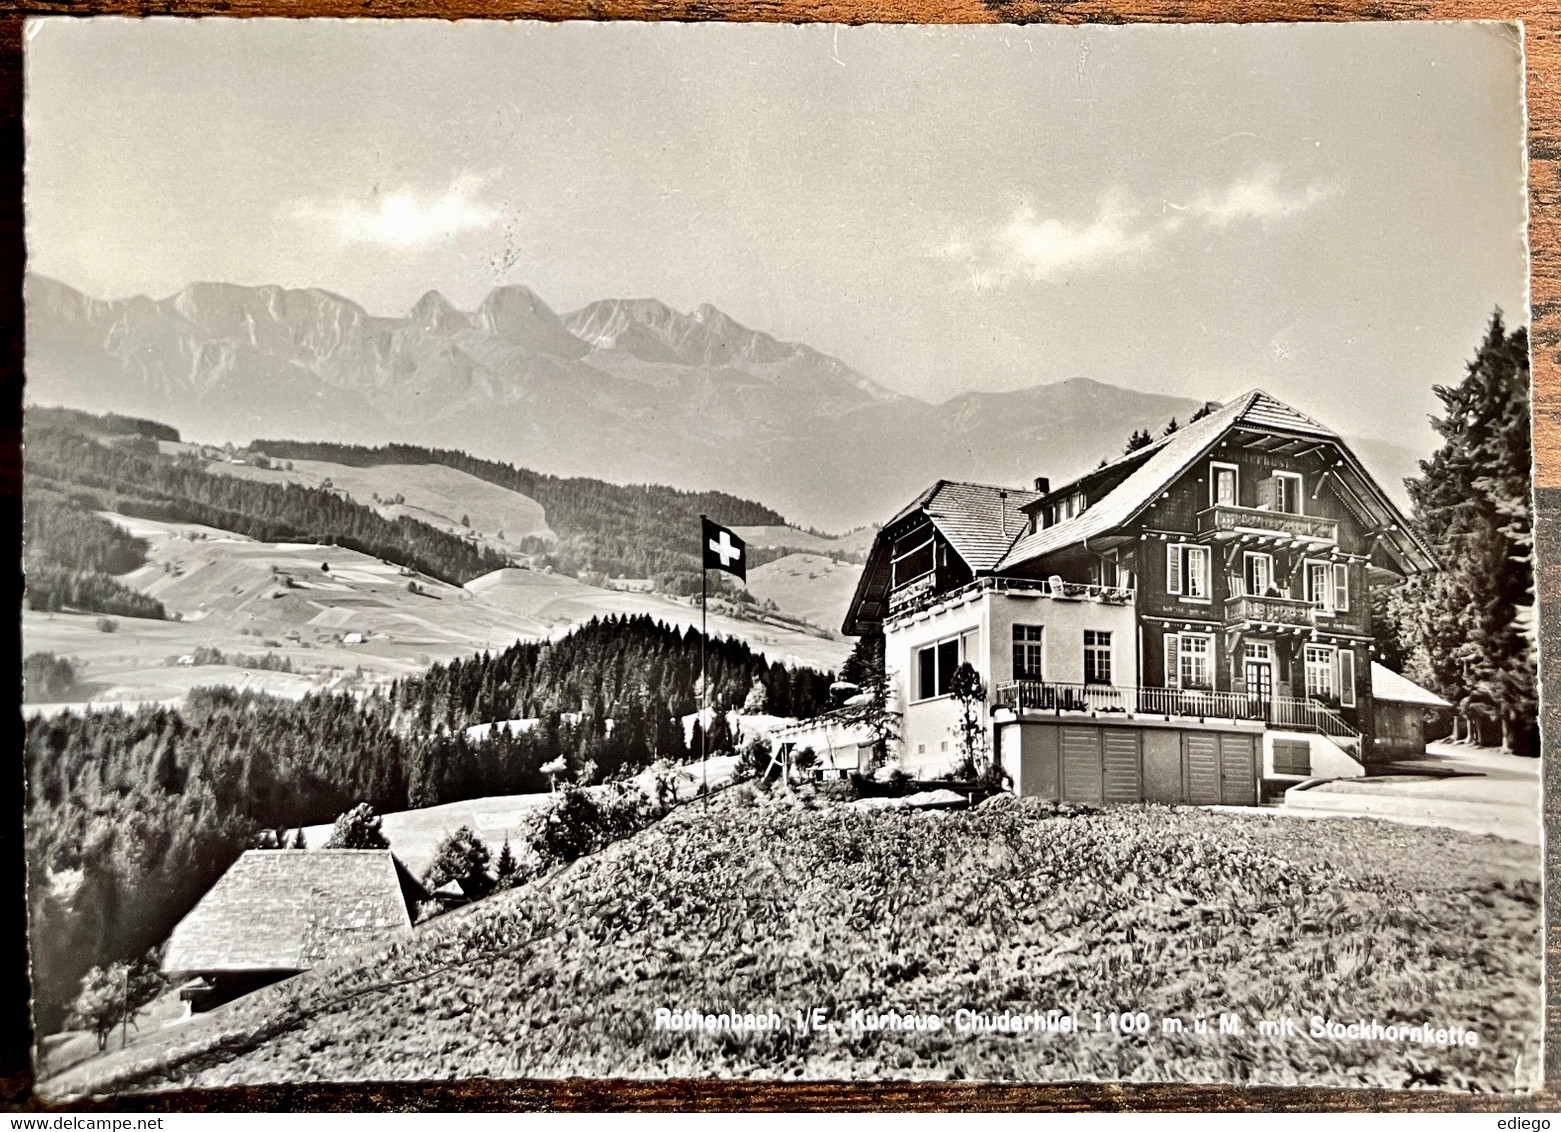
[277, 912]
[1174, 626]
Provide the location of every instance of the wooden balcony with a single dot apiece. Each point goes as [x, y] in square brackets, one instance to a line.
[1283, 611]
[1226, 522]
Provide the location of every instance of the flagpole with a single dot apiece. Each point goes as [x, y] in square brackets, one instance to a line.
[704, 684]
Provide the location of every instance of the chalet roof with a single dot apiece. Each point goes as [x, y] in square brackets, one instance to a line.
[1171, 456]
[973, 517]
[289, 910]
[1389, 685]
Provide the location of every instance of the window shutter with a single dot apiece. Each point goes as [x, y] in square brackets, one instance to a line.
[1347, 677]
[1265, 493]
[1172, 660]
[1173, 568]
[1341, 587]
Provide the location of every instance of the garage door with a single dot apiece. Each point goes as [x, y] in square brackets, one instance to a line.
[1123, 779]
[1201, 757]
[1238, 770]
[1081, 765]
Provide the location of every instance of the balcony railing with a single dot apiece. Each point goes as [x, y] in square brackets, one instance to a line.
[1271, 611]
[1225, 519]
[920, 594]
[1282, 712]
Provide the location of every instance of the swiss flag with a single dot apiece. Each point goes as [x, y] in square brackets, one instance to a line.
[723, 549]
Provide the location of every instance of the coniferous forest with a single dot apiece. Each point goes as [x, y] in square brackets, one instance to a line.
[1467, 631]
[131, 479]
[639, 531]
[132, 817]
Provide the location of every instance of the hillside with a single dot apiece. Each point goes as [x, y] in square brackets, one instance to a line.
[444, 498]
[811, 586]
[792, 903]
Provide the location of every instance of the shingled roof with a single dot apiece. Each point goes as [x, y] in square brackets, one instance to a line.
[980, 521]
[289, 910]
[971, 517]
[1169, 457]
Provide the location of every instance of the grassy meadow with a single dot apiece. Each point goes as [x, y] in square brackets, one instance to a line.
[784, 902]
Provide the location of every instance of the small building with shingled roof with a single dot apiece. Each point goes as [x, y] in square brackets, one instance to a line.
[278, 912]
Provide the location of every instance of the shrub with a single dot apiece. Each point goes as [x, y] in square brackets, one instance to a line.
[463, 858]
[358, 828]
[107, 625]
[46, 677]
[583, 822]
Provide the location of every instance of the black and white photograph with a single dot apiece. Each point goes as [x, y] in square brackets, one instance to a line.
[779, 553]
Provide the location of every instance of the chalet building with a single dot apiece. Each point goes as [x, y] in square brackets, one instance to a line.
[1179, 625]
[277, 912]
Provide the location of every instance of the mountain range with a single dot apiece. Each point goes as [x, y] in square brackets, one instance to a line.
[627, 390]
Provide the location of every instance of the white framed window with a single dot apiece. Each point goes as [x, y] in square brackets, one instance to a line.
[1341, 587]
[1187, 570]
[1287, 493]
[1029, 653]
[1320, 678]
[1224, 485]
[1319, 586]
[935, 664]
[1257, 572]
[1189, 660]
[912, 557]
[1097, 656]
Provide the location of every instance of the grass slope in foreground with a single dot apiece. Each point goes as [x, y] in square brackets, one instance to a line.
[773, 902]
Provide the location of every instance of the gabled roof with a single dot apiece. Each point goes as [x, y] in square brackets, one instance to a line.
[289, 910]
[972, 517]
[980, 521]
[1173, 455]
[1389, 685]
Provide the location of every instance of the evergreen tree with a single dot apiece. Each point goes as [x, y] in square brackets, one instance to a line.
[463, 858]
[506, 869]
[1139, 439]
[1171, 427]
[1469, 628]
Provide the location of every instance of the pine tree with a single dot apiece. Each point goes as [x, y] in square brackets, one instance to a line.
[1470, 627]
[506, 868]
[1139, 439]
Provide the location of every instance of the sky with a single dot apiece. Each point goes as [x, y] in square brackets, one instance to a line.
[1330, 212]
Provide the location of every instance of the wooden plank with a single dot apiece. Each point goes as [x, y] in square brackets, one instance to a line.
[1201, 760]
[1120, 753]
[1082, 778]
[1238, 770]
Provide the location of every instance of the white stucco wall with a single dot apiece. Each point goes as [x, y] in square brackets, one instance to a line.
[928, 745]
[1328, 760]
[1062, 643]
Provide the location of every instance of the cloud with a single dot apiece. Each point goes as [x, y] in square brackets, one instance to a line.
[1030, 247]
[1258, 197]
[405, 218]
[1045, 249]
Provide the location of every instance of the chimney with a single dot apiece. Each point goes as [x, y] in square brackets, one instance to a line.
[1043, 485]
[1003, 508]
